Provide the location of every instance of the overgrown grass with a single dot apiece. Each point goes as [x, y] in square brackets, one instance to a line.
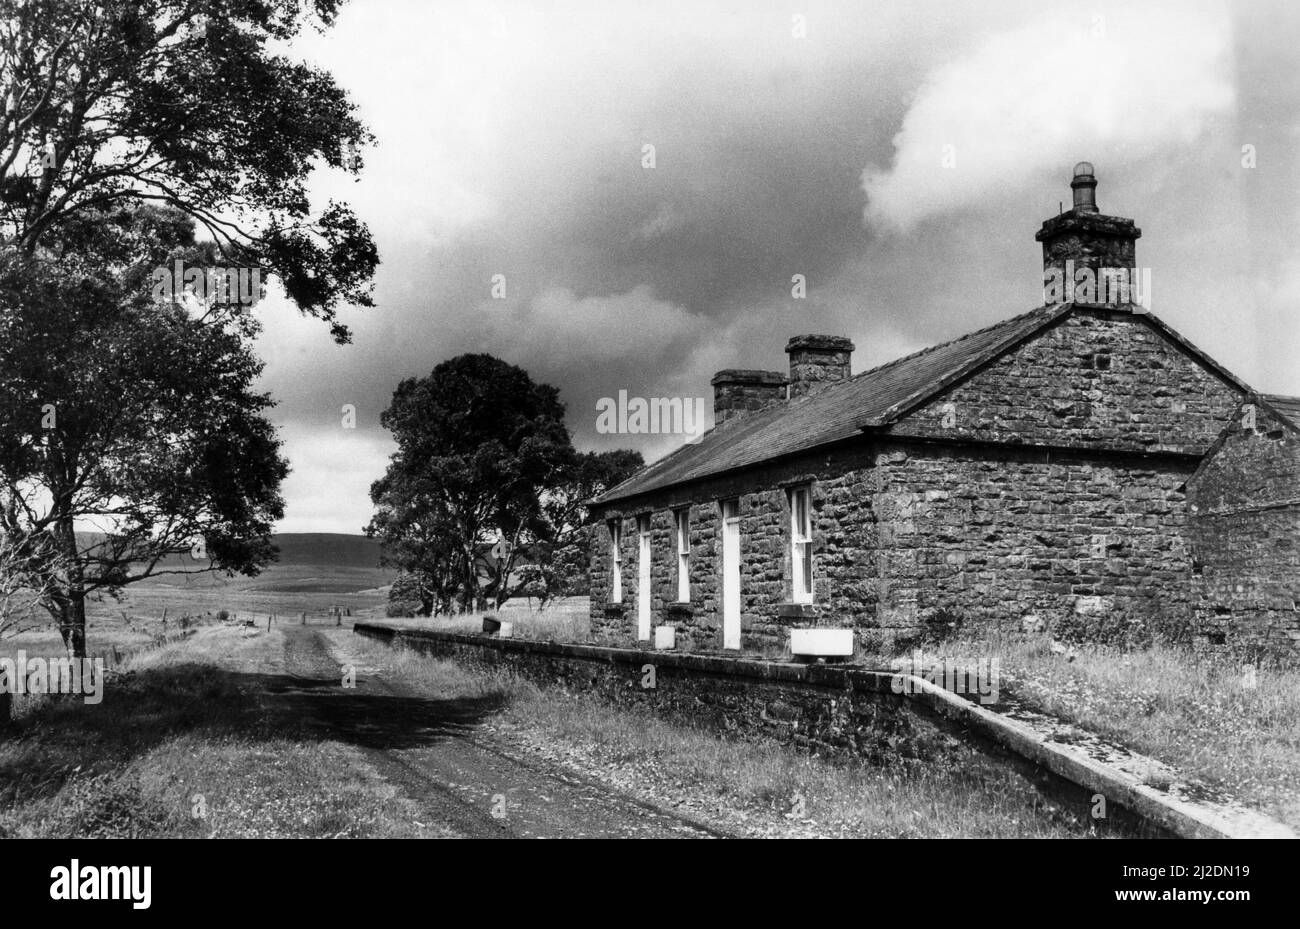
[1203, 713]
[566, 620]
[186, 744]
[1198, 712]
[963, 794]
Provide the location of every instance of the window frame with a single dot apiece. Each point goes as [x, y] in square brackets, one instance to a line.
[616, 560]
[801, 544]
[682, 522]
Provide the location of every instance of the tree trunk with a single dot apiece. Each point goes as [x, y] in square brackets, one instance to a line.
[73, 625]
[72, 602]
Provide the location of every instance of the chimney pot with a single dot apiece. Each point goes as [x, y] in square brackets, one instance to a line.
[1085, 238]
[1084, 186]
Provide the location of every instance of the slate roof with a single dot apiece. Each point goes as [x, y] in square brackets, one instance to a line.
[1287, 406]
[870, 399]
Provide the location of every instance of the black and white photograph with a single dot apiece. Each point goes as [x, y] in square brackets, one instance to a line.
[594, 419]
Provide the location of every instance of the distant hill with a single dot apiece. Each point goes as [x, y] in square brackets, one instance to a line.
[334, 549]
[329, 549]
[299, 554]
[310, 562]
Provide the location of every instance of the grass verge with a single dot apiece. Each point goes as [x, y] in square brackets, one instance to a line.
[756, 788]
[186, 744]
[1231, 726]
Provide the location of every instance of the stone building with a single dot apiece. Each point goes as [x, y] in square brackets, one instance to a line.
[1245, 529]
[1034, 468]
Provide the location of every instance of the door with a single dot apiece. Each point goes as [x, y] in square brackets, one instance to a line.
[731, 574]
[643, 579]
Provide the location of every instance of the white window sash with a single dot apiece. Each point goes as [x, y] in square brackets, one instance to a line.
[616, 538]
[683, 556]
[801, 545]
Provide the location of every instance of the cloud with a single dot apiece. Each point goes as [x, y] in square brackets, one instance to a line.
[568, 330]
[1027, 103]
[510, 142]
[328, 489]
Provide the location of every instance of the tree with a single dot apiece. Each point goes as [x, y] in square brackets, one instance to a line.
[559, 556]
[24, 584]
[409, 596]
[477, 444]
[183, 103]
[133, 443]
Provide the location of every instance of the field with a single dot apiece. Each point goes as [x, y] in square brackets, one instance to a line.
[316, 573]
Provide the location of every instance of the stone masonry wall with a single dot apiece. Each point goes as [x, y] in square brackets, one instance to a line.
[1103, 380]
[832, 711]
[843, 540]
[1245, 533]
[1095, 550]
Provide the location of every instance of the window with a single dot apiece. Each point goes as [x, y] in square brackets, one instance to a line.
[683, 556]
[801, 544]
[643, 577]
[616, 567]
[731, 574]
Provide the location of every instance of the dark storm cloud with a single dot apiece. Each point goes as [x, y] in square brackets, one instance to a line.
[511, 143]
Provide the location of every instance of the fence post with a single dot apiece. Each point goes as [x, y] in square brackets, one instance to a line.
[268, 623]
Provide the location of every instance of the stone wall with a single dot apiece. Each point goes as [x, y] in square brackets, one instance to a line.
[904, 531]
[833, 711]
[1245, 535]
[843, 539]
[1097, 379]
[1094, 548]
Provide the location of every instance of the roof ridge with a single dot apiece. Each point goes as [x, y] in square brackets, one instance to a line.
[837, 385]
[1280, 405]
[938, 345]
[826, 403]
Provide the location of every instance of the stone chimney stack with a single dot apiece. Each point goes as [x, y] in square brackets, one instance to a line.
[1085, 238]
[737, 392]
[817, 361]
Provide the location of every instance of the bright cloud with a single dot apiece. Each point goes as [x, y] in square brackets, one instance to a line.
[1072, 83]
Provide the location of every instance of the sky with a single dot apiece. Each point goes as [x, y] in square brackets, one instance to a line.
[647, 181]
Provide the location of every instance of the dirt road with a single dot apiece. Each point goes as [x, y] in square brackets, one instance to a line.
[435, 753]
